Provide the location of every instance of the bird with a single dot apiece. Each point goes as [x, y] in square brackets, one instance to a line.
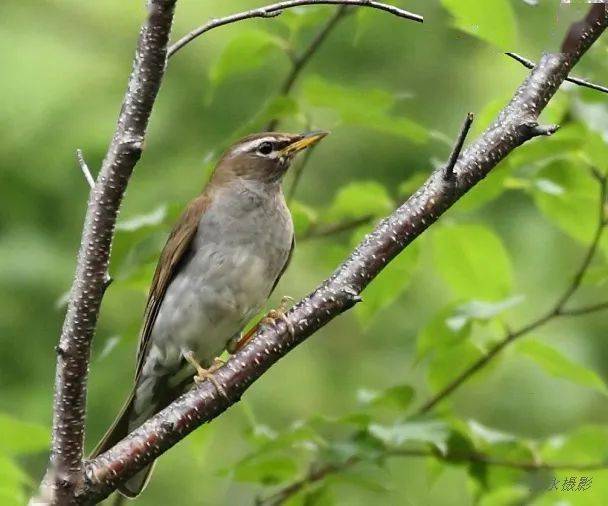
[222, 260]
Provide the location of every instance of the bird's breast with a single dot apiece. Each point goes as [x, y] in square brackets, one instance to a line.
[236, 257]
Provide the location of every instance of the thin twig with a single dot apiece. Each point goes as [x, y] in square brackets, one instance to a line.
[464, 131]
[300, 61]
[320, 472]
[556, 311]
[576, 80]
[298, 170]
[276, 9]
[317, 232]
[579, 311]
[85, 169]
[514, 126]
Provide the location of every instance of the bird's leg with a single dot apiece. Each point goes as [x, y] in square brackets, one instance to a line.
[203, 374]
[269, 320]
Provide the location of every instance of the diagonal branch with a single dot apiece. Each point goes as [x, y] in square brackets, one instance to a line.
[319, 473]
[559, 309]
[516, 124]
[576, 80]
[65, 474]
[273, 10]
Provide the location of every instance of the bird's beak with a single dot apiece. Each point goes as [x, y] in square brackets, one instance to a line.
[302, 142]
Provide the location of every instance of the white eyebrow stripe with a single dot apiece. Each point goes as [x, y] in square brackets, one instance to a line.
[243, 148]
[251, 144]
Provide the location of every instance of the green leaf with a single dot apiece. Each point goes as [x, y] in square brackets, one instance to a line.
[363, 107]
[477, 310]
[595, 151]
[266, 469]
[558, 365]
[12, 481]
[544, 149]
[360, 198]
[438, 334]
[299, 18]
[473, 261]
[245, 52]
[400, 396]
[303, 217]
[493, 21]
[20, 437]
[448, 363]
[388, 285]
[364, 479]
[584, 445]
[574, 209]
[510, 495]
[433, 432]
[482, 434]
[277, 108]
[319, 496]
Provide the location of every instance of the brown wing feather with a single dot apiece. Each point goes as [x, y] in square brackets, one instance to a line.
[174, 253]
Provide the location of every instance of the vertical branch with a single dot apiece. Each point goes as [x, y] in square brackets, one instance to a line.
[65, 474]
[300, 61]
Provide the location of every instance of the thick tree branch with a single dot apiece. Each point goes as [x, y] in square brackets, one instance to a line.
[516, 124]
[318, 473]
[576, 80]
[65, 475]
[557, 310]
[273, 10]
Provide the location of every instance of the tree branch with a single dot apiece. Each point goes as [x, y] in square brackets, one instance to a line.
[65, 475]
[318, 473]
[298, 64]
[273, 10]
[576, 80]
[464, 131]
[516, 124]
[556, 311]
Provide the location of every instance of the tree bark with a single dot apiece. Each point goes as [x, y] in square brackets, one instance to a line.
[516, 123]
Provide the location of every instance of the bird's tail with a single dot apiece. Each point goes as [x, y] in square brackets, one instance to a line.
[125, 422]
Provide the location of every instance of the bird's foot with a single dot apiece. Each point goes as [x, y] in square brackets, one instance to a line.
[203, 374]
[279, 314]
[269, 320]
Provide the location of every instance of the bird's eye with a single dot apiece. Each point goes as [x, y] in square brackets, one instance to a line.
[265, 148]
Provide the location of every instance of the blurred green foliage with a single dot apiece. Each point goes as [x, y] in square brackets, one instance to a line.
[394, 94]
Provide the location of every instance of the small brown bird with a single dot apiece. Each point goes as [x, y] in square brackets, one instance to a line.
[220, 264]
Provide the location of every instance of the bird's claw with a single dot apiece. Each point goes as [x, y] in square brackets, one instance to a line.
[203, 374]
[279, 314]
[268, 321]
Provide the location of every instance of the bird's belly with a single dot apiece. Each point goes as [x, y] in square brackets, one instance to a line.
[212, 298]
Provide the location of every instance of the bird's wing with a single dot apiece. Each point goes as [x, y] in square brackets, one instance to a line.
[276, 281]
[173, 255]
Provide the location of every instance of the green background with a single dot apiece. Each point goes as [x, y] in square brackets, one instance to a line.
[394, 94]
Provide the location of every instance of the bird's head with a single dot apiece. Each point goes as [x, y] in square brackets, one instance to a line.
[265, 156]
